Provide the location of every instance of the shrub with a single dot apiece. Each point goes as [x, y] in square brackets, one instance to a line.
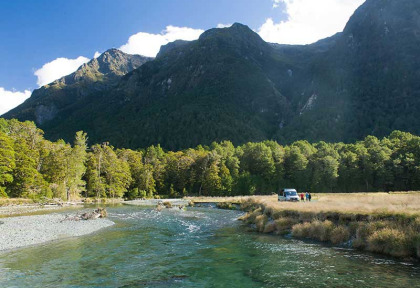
[364, 231]
[250, 205]
[269, 227]
[306, 216]
[284, 225]
[340, 234]
[392, 234]
[301, 230]
[260, 221]
[167, 204]
[321, 230]
[353, 226]
[226, 205]
[315, 230]
[251, 216]
[389, 241]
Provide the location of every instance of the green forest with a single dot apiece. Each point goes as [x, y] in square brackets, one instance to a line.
[33, 167]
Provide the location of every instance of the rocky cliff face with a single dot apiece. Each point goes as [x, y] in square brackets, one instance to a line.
[110, 65]
[230, 84]
[97, 75]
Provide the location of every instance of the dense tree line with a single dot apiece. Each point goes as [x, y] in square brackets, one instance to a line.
[33, 167]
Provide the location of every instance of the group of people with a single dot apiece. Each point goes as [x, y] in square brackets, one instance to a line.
[306, 196]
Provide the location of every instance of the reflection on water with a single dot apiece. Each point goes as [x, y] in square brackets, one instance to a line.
[195, 248]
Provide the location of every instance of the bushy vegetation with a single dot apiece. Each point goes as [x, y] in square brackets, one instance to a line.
[226, 206]
[33, 167]
[391, 234]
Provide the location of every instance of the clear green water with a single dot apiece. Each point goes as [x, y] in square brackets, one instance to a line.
[195, 248]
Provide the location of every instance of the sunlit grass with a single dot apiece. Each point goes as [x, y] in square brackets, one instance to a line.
[386, 223]
[404, 202]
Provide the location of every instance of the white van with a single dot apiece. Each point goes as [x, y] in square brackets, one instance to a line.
[288, 195]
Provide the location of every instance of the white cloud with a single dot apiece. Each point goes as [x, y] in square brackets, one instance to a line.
[142, 43]
[309, 20]
[11, 99]
[276, 3]
[58, 68]
[147, 44]
[221, 25]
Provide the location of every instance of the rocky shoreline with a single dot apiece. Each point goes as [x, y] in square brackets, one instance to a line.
[18, 232]
[14, 210]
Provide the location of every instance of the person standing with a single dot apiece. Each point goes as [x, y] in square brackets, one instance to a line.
[302, 197]
[309, 197]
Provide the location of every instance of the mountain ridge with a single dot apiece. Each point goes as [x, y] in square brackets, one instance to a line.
[98, 74]
[231, 85]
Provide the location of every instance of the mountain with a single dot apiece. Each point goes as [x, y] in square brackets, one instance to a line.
[99, 74]
[230, 84]
[383, 39]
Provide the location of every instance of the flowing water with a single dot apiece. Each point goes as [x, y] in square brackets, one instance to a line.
[200, 247]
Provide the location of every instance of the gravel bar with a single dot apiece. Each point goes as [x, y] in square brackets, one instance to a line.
[154, 202]
[6, 211]
[17, 232]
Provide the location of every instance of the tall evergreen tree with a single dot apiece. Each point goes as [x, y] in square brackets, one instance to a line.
[7, 162]
[76, 166]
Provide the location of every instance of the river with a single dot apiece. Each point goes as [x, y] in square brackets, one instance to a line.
[200, 247]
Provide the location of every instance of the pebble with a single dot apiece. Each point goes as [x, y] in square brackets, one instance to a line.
[17, 232]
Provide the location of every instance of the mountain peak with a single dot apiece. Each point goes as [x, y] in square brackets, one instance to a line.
[238, 35]
[113, 63]
[98, 74]
[236, 30]
[239, 26]
[384, 18]
[113, 52]
[231, 85]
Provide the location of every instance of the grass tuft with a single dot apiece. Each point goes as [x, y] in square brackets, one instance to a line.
[284, 225]
[392, 230]
[340, 234]
[260, 221]
[389, 241]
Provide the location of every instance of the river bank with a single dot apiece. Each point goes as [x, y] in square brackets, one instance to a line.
[387, 224]
[23, 206]
[23, 209]
[18, 232]
[227, 199]
[155, 202]
[196, 247]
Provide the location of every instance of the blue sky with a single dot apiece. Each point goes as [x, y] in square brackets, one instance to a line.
[40, 31]
[35, 33]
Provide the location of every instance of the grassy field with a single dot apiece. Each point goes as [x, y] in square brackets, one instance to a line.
[396, 202]
[385, 223]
